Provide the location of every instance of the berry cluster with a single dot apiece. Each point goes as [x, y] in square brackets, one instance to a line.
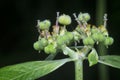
[97, 35]
[53, 42]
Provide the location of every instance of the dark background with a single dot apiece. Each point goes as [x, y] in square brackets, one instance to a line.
[18, 19]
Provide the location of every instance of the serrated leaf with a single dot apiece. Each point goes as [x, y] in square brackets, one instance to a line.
[30, 70]
[110, 60]
[93, 57]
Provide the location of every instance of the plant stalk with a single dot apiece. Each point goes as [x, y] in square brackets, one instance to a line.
[100, 11]
[79, 69]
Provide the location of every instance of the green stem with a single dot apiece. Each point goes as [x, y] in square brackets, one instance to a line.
[79, 69]
[100, 11]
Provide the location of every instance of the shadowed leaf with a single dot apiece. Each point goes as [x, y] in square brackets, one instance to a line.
[112, 60]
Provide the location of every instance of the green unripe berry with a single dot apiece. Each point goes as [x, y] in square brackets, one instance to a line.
[94, 30]
[69, 36]
[65, 39]
[61, 40]
[88, 41]
[48, 23]
[44, 25]
[84, 17]
[37, 46]
[50, 49]
[47, 50]
[98, 37]
[64, 19]
[44, 42]
[108, 41]
[40, 44]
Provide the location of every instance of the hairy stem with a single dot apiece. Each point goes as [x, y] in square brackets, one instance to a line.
[79, 69]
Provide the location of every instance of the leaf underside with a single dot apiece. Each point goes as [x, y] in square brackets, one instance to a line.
[110, 60]
[30, 70]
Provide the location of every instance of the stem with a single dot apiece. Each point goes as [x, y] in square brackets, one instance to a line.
[79, 69]
[101, 9]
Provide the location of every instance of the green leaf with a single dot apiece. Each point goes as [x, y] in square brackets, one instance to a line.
[110, 60]
[51, 56]
[30, 70]
[93, 57]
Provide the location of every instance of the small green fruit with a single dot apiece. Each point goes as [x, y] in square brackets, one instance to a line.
[84, 17]
[108, 41]
[48, 23]
[88, 41]
[65, 39]
[37, 45]
[40, 44]
[44, 25]
[47, 50]
[50, 49]
[94, 30]
[44, 42]
[64, 19]
[69, 36]
[98, 37]
[60, 40]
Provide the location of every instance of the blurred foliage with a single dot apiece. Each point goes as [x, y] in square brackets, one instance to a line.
[18, 32]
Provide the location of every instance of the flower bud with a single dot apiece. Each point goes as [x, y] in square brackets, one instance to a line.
[47, 50]
[88, 41]
[84, 17]
[44, 42]
[61, 40]
[69, 36]
[64, 19]
[108, 41]
[98, 37]
[44, 25]
[50, 49]
[37, 45]
[94, 30]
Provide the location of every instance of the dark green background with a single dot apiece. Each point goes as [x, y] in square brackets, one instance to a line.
[18, 19]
